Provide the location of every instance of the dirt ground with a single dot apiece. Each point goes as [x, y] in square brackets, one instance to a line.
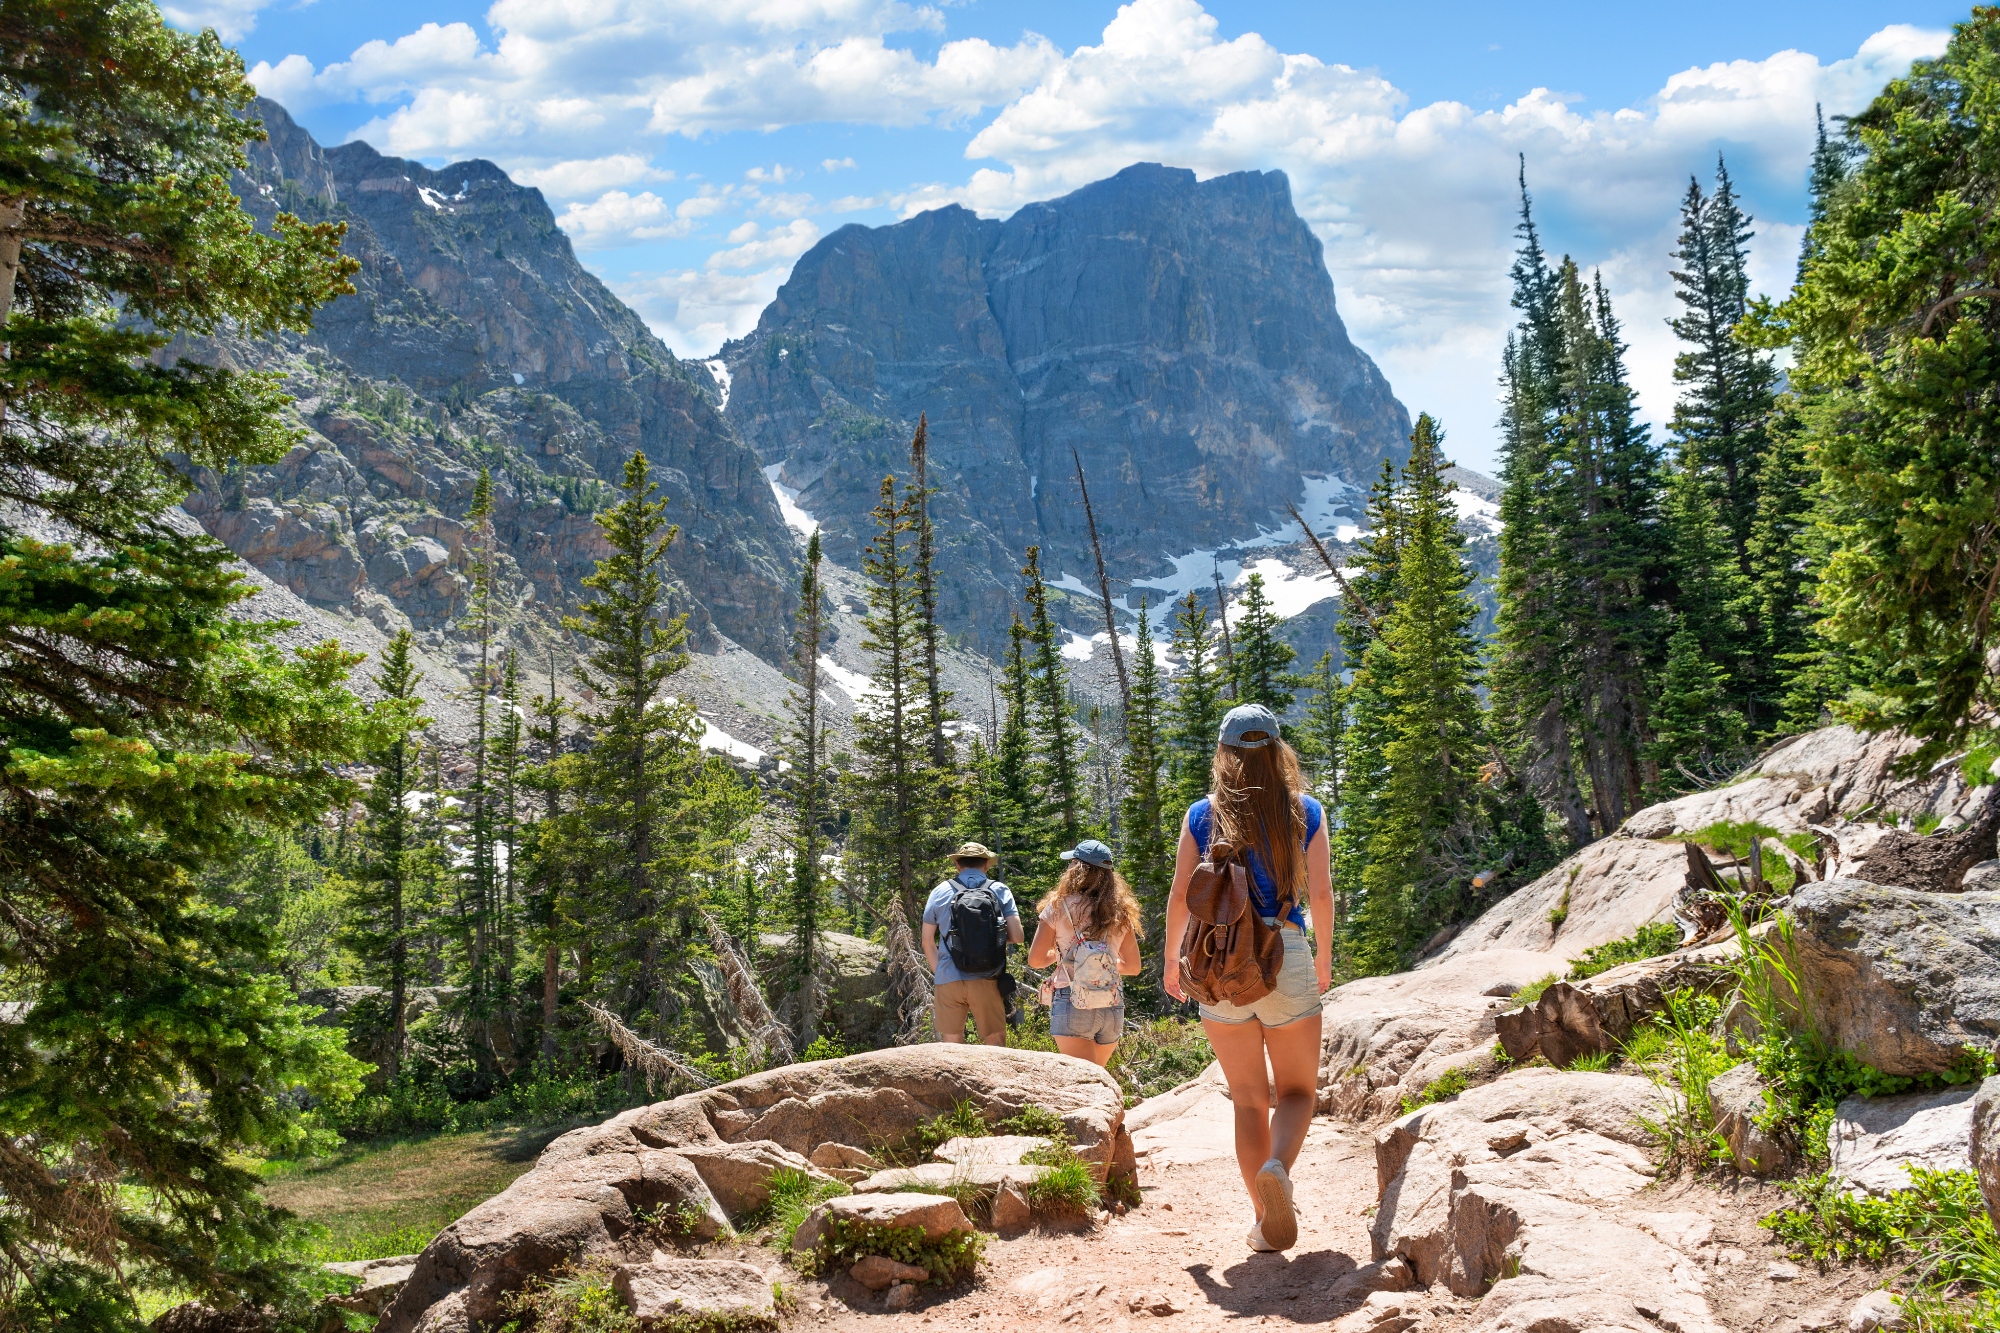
[1180, 1258]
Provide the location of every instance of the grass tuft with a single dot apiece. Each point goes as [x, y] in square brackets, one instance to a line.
[1448, 1084]
[1647, 942]
[849, 1240]
[793, 1195]
[1531, 992]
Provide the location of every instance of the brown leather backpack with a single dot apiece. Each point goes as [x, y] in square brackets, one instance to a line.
[1228, 954]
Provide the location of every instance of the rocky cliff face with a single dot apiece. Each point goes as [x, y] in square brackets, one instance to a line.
[1178, 338]
[475, 338]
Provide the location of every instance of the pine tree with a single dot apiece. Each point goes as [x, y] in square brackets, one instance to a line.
[1431, 837]
[805, 741]
[646, 814]
[1056, 741]
[1019, 815]
[936, 698]
[1321, 734]
[545, 908]
[479, 889]
[895, 791]
[1692, 723]
[381, 920]
[1195, 716]
[1262, 658]
[151, 731]
[507, 758]
[1709, 593]
[1148, 852]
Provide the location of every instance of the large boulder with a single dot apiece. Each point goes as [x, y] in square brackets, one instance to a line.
[1874, 1140]
[856, 974]
[708, 1154]
[1385, 1038]
[1986, 1143]
[1506, 1192]
[1602, 893]
[1902, 979]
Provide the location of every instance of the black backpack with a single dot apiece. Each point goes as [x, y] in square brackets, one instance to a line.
[977, 939]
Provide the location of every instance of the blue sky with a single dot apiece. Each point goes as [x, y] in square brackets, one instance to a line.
[693, 149]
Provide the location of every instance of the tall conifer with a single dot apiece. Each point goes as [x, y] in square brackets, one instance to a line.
[1196, 712]
[1055, 729]
[1149, 845]
[380, 924]
[805, 740]
[1262, 658]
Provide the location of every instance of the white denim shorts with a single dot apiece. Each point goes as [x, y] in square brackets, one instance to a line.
[1295, 997]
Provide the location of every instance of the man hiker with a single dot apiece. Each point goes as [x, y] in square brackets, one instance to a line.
[975, 918]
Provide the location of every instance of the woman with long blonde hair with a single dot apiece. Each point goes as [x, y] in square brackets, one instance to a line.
[1257, 802]
[1090, 928]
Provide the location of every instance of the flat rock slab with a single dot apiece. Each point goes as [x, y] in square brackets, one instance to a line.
[998, 1150]
[878, 1271]
[672, 1289]
[934, 1214]
[1874, 1139]
[381, 1279]
[942, 1175]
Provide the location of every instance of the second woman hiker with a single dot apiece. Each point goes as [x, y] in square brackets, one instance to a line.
[1257, 804]
[1090, 929]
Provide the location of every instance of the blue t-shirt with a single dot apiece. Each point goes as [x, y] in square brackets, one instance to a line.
[1262, 891]
[937, 912]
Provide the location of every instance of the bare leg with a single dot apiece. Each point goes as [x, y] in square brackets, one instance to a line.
[1294, 1051]
[1086, 1049]
[1240, 1049]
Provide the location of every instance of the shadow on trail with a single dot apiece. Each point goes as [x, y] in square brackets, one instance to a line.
[1295, 1287]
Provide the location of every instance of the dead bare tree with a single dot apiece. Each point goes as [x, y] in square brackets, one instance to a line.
[1104, 592]
[766, 1037]
[1347, 596]
[1222, 610]
[661, 1066]
[909, 976]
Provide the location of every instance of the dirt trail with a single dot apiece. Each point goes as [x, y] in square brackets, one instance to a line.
[1183, 1249]
[1180, 1258]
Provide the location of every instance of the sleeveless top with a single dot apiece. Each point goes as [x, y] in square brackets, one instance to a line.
[1263, 891]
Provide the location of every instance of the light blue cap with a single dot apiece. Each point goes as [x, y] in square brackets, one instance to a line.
[1249, 727]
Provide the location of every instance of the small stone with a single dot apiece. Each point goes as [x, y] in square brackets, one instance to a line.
[1730, 1255]
[1011, 1211]
[878, 1271]
[1877, 1310]
[1104, 1217]
[1166, 1208]
[901, 1297]
[1784, 1271]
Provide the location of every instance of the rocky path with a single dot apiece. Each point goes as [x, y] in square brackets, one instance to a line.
[1180, 1255]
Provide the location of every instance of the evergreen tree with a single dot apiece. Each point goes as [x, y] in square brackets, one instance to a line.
[805, 740]
[1195, 716]
[380, 918]
[1581, 550]
[479, 889]
[1692, 723]
[1708, 594]
[895, 792]
[150, 731]
[1430, 839]
[1056, 742]
[645, 812]
[507, 757]
[1019, 808]
[1321, 734]
[936, 697]
[1148, 851]
[545, 908]
[1262, 658]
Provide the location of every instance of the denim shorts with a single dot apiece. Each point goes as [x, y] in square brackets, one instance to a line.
[1295, 997]
[1103, 1026]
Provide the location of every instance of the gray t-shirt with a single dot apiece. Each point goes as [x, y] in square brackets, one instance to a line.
[937, 912]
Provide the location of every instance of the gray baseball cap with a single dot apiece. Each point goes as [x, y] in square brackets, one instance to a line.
[1091, 852]
[1249, 727]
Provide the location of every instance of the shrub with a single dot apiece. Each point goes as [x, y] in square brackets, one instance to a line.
[1939, 1226]
[576, 1298]
[1156, 1056]
[824, 1047]
[1689, 1057]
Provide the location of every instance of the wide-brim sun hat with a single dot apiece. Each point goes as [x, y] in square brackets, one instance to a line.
[1249, 727]
[1091, 852]
[968, 851]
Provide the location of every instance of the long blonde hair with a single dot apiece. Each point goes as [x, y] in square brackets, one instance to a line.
[1106, 900]
[1254, 802]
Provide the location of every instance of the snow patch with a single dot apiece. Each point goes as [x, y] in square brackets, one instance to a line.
[797, 519]
[519, 378]
[1326, 502]
[716, 739]
[432, 197]
[1475, 511]
[1289, 591]
[1078, 647]
[720, 369]
[851, 683]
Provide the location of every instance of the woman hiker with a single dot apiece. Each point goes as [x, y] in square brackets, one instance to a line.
[1090, 930]
[1256, 801]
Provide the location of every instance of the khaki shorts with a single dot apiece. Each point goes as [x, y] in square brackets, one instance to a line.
[1295, 997]
[981, 999]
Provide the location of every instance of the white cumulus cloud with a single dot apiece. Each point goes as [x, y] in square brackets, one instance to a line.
[757, 247]
[231, 19]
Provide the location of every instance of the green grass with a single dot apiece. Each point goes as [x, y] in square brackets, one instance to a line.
[1734, 838]
[1649, 941]
[1594, 1063]
[793, 1195]
[1160, 1055]
[1448, 1084]
[849, 1240]
[375, 1200]
[1068, 1185]
[1689, 1056]
[1977, 765]
[1531, 992]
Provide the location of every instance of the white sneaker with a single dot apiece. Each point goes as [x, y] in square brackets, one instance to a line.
[1257, 1241]
[1280, 1227]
